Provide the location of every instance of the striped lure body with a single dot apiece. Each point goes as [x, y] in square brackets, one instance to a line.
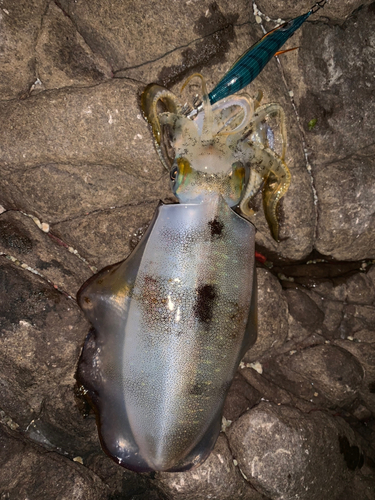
[251, 63]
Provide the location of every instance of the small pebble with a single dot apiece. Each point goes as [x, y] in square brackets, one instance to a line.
[256, 366]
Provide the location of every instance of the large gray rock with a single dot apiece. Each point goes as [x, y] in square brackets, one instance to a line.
[330, 79]
[104, 237]
[272, 316]
[54, 142]
[20, 24]
[337, 11]
[287, 454]
[27, 471]
[41, 335]
[96, 125]
[350, 234]
[217, 479]
[305, 317]
[322, 374]
[23, 241]
[129, 34]
[64, 58]
[365, 354]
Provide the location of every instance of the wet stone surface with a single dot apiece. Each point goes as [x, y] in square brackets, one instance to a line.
[79, 182]
[27, 471]
[278, 447]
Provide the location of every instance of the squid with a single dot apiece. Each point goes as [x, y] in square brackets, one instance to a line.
[172, 322]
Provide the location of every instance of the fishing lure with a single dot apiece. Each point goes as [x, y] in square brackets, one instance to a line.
[250, 64]
[172, 321]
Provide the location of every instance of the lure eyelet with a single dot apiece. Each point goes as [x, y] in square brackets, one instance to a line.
[173, 174]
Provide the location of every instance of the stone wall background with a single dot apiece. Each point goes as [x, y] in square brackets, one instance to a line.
[80, 178]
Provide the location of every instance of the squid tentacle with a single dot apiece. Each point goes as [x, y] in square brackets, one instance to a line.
[268, 166]
[150, 98]
[270, 110]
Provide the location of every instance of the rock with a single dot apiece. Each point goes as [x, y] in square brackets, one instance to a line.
[217, 478]
[64, 59]
[328, 77]
[333, 315]
[364, 336]
[272, 316]
[287, 454]
[371, 275]
[41, 335]
[362, 487]
[347, 306]
[123, 483]
[57, 183]
[322, 82]
[303, 309]
[320, 374]
[241, 397]
[289, 9]
[357, 318]
[328, 289]
[332, 372]
[360, 289]
[305, 317]
[271, 391]
[365, 355]
[104, 237]
[150, 30]
[20, 24]
[60, 193]
[27, 471]
[350, 234]
[77, 154]
[21, 239]
[79, 126]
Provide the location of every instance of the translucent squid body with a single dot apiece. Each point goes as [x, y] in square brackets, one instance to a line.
[172, 321]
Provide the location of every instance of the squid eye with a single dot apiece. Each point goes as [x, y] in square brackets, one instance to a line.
[173, 174]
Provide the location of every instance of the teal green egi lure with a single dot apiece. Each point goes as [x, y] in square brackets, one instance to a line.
[251, 63]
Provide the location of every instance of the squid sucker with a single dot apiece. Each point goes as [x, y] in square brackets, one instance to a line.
[172, 321]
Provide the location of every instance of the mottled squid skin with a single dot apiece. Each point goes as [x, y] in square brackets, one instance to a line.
[171, 325]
